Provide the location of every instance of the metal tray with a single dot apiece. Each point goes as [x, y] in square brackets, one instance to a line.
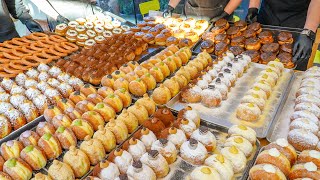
[15, 134]
[181, 169]
[280, 126]
[225, 114]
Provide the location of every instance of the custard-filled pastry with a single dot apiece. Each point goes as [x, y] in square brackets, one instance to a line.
[11, 149]
[125, 97]
[129, 120]
[1, 163]
[94, 150]
[88, 89]
[193, 152]
[82, 128]
[241, 143]
[107, 81]
[94, 118]
[50, 145]
[77, 160]
[40, 176]
[266, 171]
[171, 64]
[29, 138]
[73, 113]
[167, 149]
[105, 111]
[236, 156]
[147, 137]
[305, 170]
[137, 87]
[148, 103]
[122, 159]
[61, 120]
[136, 148]
[114, 102]
[66, 137]
[106, 137]
[119, 129]
[165, 115]
[51, 112]
[64, 104]
[204, 173]
[155, 125]
[34, 156]
[161, 95]
[84, 106]
[121, 83]
[246, 132]
[181, 80]
[285, 148]
[140, 171]
[106, 170]
[174, 135]
[16, 168]
[310, 156]
[149, 80]
[77, 96]
[221, 164]
[95, 98]
[204, 136]
[157, 74]
[105, 91]
[190, 114]
[60, 171]
[186, 126]
[139, 111]
[157, 163]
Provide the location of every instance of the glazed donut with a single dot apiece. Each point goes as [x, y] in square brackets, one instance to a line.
[38, 36]
[20, 52]
[70, 46]
[61, 29]
[39, 57]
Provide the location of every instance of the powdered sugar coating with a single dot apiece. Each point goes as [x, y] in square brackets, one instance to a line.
[51, 93]
[63, 77]
[109, 173]
[310, 166]
[12, 115]
[148, 139]
[309, 107]
[222, 88]
[53, 82]
[7, 84]
[64, 88]
[178, 138]
[54, 71]
[251, 99]
[265, 87]
[207, 77]
[230, 55]
[30, 83]
[144, 173]
[308, 98]
[308, 90]
[27, 109]
[32, 73]
[20, 79]
[302, 139]
[303, 123]
[32, 92]
[137, 150]
[39, 101]
[244, 145]
[158, 164]
[213, 73]
[311, 82]
[17, 90]
[123, 161]
[207, 139]
[43, 76]
[188, 128]
[247, 133]
[305, 114]
[210, 97]
[76, 83]
[43, 86]
[16, 100]
[4, 97]
[225, 169]
[43, 67]
[203, 84]
[4, 106]
[192, 115]
[227, 59]
[197, 154]
[238, 160]
[2, 90]
[169, 150]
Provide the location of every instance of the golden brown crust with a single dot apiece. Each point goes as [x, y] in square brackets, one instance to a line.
[4, 176]
[305, 157]
[165, 115]
[155, 125]
[82, 128]
[299, 171]
[66, 137]
[29, 138]
[288, 151]
[281, 161]
[36, 163]
[14, 172]
[50, 145]
[11, 149]
[1, 163]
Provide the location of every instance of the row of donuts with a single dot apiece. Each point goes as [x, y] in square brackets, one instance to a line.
[138, 79]
[304, 131]
[279, 160]
[148, 154]
[253, 103]
[213, 86]
[63, 131]
[24, 99]
[90, 30]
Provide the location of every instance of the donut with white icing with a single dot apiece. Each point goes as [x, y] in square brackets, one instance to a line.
[241, 143]
[301, 139]
[266, 171]
[309, 156]
[284, 148]
[305, 170]
[156, 162]
[221, 164]
[243, 131]
[193, 152]
[204, 173]
[236, 157]
[204, 136]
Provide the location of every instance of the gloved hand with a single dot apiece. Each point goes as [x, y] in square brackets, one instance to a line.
[33, 26]
[252, 15]
[61, 19]
[302, 48]
[168, 11]
[222, 15]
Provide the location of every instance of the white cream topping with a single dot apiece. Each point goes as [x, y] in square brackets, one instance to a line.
[199, 153]
[123, 161]
[282, 142]
[167, 151]
[178, 138]
[148, 139]
[192, 115]
[314, 154]
[145, 173]
[269, 168]
[274, 152]
[158, 164]
[188, 128]
[310, 166]
[109, 173]
[137, 150]
[207, 139]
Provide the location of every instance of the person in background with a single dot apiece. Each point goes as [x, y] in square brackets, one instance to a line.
[288, 13]
[207, 9]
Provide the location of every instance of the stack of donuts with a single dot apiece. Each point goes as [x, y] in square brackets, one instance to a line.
[304, 127]
[249, 39]
[90, 30]
[20, 54]
[279, 160]
[167, 31]
[24, 99]
[215, 83]
[253, 103]
[91, 64]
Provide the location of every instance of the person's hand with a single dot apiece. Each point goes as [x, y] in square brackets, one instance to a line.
[168, 11]
[221, 16]
[61, 19]
[302, 48]
[33, 26]
[252, 15]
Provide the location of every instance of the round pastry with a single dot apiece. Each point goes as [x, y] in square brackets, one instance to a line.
[248, 112]
[77, 96]
[286, 59]
[301, 139]
[286, 48]
[192, 36]
[5, 125]
[34, 156]
[45, 127]
[186, 126]
[156, 162]
[29, 138]
[274, 157]
[204, 173]
[94, 150]
[243, 131]
[179, 33]
[160, 40]
[241, 24]
[66, 137]
[114, 102]
[147, 137]
[305, 114]
[78, 161]
[161, 95]
[149, 38]
[94, 118]
[51, 112]
[73, 113]
[105, 91]
[254, 99]
[193, 152]
[236, 50]
[241, 143]
[16, 118]
[306, 171]
[148, 103]
[129, 119]
[81, 128]
[106, 137]
[140, 171]
[88, 89]
[252, 44]
[302, 123]
[207, 46]
[220, 48]
[266, 171]
[266, 37]
[191, 94]
[233, 32]
[50, 146]
[185, 42]
[236, 157]
[136, 148]
[122, 159]
[40, 176]
[256, 27]
[222, 23]
[139, 111]
[105, 111]
[166, 148]
[16, 168]
[155, 125]
[238, 41]
[4, 176]
[11, 149]
[270, 47]
[221, 38]
[60, 170]
[267, 57]
[172, 40]
[285, 38]
[221, 164]
[308, 106]
[204, 136]
[309, 156]
[119, 129]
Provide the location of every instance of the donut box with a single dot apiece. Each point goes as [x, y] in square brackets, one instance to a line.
[178, 167]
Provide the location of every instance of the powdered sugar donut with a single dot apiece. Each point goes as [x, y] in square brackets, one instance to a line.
[32, 73]
[136, 149]
[20, 79]
[17, 90]
[43, 76]
[248, 112]
[203, 84]
[211, 97]
[304, 114]
[308, 90]
[255, 99]
[243, 131]
[236, 157]
[191, 94]
[308, 98]
[177, 137]
[7, 83]
[193, 152]
[221, 164]
[43, 67]
[241, 143]
[204, 136]
[301, 139]
[30, 83]
[303, 123]
[309, 107]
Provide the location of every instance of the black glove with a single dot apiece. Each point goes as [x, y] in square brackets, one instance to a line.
[302, 48]
[252, 15]
[221, 16]
[168, 12]
[61, 19]
[33, 26]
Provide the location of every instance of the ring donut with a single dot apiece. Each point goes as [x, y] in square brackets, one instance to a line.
[4, 74]
[60, 48]
[57, 38]
[19, 65]
[46, 53]
[27, 39]
[11, 56]
[38, 36]
[36, 46]
[29, 60]
[44, 43]
[40, 58]
[20, 52]
[3, 48]
[70, 46]
[19, 42]
[57, 53]
[10, 44]
[29, 50]
[4, 60]
[7, 68]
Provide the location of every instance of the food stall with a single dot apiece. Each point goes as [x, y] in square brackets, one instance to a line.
[168, 98]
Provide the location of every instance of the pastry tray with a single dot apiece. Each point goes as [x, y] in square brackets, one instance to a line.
[225, 114]
[181, 169]
[280, 126]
